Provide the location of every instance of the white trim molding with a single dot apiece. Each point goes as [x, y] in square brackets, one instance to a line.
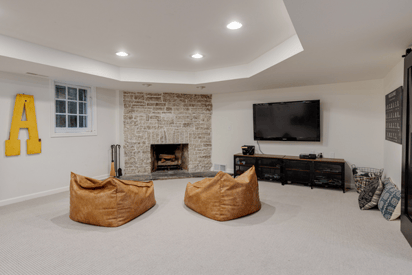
[34, 196]
[43, 193]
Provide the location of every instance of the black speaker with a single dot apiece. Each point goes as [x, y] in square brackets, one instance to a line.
[248, 149]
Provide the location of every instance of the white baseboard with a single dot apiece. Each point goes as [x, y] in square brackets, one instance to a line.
[102, 177]
[229, 171]
[33, 196]
[44, 193]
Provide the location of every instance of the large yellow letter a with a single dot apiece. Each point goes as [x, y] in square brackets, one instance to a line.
[33, 143]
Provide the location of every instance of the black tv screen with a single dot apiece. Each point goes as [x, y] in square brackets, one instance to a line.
[287, 121]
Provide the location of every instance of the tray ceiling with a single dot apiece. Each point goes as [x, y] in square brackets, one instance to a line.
[77, 41]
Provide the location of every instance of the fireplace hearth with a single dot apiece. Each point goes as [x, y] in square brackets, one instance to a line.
[169, 157]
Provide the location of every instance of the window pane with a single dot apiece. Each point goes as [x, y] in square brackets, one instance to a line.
[82, 121]
[60, 106]
[82, 108]
[72, 107]
[61, 121]
[72, 121]
[60, 92]
[82, 95]
[72, 93]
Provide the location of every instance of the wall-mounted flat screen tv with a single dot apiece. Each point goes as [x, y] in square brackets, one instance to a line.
[287, 121]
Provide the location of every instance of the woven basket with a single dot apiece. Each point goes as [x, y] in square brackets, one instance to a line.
[362, 181]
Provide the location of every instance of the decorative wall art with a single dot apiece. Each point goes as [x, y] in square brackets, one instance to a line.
[393, 103]
[23, 103]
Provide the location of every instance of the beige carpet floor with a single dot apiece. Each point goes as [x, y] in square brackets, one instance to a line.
[297, 231]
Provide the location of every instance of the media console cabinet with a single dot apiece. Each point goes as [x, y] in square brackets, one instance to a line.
[322, 172]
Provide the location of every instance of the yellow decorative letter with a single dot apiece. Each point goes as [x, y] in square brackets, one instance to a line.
[33, 143]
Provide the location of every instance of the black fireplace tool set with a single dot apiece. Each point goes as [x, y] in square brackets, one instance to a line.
[116, 171]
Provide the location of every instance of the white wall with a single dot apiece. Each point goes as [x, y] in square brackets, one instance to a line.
[352, 120]
[27, 176]
[352, 123]
[392, 150]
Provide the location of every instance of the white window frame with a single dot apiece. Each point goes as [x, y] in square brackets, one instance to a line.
[91, 129]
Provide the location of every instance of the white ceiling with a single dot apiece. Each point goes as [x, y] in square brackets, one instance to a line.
[76, 40]
[160, 35]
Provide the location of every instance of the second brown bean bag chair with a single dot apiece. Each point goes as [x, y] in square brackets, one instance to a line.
[224, 198]
[111, 202]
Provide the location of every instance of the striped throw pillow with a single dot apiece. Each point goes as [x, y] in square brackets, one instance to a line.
[369, 196]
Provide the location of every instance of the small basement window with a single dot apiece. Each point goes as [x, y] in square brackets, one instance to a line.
[74, 110]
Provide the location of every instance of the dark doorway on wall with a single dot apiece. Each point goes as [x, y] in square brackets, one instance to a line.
[166, 157]
[406, 209]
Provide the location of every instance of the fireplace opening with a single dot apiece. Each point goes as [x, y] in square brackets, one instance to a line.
[169, 157]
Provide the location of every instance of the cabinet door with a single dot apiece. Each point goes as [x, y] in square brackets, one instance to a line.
[328, 174]
[298, 171]
[242, 164]
[269, 169]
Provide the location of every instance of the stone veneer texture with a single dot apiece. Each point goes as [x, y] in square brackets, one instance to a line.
[166, 118]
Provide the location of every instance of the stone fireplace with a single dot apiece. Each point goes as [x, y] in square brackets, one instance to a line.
[153, 119]
[169, 157]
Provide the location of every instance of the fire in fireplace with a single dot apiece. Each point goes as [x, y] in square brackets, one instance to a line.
[169, 157]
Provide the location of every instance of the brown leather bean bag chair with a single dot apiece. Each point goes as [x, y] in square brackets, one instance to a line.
[224, 198]
[111, 202]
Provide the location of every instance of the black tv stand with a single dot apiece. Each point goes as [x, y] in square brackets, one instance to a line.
[321, 172]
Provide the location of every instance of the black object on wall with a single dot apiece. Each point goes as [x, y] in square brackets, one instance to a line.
[287, 121]
[393, 112]
[406, 214]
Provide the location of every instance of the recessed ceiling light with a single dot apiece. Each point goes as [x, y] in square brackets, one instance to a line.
[234, 25]
[197, 55]
[122, 54]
